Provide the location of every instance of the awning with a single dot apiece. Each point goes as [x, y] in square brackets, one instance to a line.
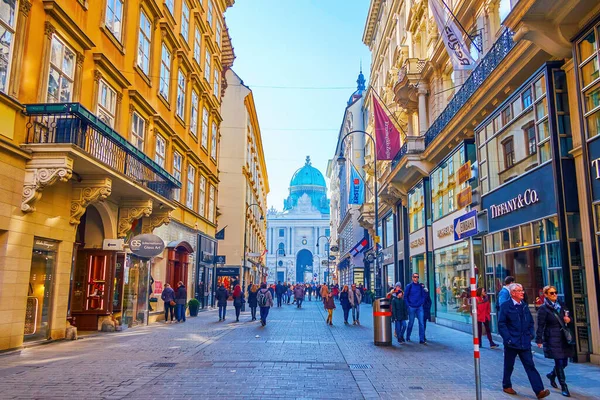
[345, 263]
[180, 243]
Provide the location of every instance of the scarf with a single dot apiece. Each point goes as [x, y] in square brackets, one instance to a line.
[554, 306]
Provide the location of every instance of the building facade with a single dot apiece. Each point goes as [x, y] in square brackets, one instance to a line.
[299, 236]
[512, 138]
[243, 177]
[110, 117]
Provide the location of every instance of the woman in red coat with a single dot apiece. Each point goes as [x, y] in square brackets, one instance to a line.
[484, 316]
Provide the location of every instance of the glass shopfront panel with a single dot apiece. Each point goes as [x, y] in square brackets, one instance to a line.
[452, 282]
[418, 265]
[416, 208]
[136, 291]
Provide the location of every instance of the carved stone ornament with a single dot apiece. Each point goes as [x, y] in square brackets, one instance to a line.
[158, 218]
[40, 172]
[25, 7]
[49, 29]
[87, 192]
[129, 211]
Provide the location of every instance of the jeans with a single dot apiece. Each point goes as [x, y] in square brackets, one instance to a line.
[279, 296]
[309, 296]
[346, 313]
[418, 313]
[299, 301]
[238, 309]
[488, 332]
[168, 307]
[356, 312]
[253, 312]
[180, 312]
[222, 311]
[264, 312]
[510, 355]
[400, 329]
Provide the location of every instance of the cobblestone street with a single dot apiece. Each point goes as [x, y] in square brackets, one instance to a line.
[295, 356]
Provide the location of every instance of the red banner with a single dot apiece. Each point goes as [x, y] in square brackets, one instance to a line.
[386, 134]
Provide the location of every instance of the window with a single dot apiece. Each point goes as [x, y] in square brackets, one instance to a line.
[281, 248]
[191, 178]
[106, 104]
[216, 84]
[177, 174]
[530, 140]
[144, 41]
[197, 44]
[180, 94]
[527, 100]
[62, 73]
[165, 72]
[202, 196]
[416, 208]
[114, 17]
[327, 232]
[207, 65]
[211, 203]
[8, 22]
[589, 72]
[213, 141]
[509, 152]
[209, 15]
[281, 233]
[138, 129]
[160, 151]
[218, 34]
[506, 116]
[170, 6]
[185, 20]
[194, 114]
[205, 128]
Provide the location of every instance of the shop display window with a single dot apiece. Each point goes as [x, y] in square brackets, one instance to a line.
[452, 280]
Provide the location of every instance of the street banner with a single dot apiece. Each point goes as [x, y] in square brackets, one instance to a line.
[386, 134]
[360, 246]
[452, 35]
[357, 187]
[221, 234]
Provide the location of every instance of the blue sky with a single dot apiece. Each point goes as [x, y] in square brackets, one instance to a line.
[282, 46]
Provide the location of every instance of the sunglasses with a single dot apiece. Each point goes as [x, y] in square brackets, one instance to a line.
[552, 293]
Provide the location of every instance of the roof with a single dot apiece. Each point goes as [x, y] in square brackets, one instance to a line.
[307, 176]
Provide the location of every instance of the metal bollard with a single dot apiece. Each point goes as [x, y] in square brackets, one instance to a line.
[382, 322]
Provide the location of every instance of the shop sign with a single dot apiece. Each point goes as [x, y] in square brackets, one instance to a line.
[228, 271]
[45, 245]
[113, 244]
[464, 173]
[146, 245]
[417, 242]
[220, 260]
[529, 197]
[445, 231]
[464, 197]
[594, 155]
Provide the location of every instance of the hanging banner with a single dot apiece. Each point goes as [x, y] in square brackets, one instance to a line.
[359, 247]
[357, 187]
[386, 134]
[452, 35]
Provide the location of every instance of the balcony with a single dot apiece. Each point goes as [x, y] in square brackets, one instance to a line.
[73, 124]
[405, 88]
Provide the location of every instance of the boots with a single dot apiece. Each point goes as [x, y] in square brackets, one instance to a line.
[552, 377]
[560, 374]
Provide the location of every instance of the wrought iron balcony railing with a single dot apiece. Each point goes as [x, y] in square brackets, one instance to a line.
[72, 123]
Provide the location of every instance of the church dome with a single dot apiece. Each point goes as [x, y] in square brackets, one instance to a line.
[307, 176]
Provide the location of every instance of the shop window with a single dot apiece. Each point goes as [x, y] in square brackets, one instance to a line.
[144, 43]
[539, 235]
[453, 272]
[509, 152]
[526, 234]
[515, 237]
[552, 232]
[61, 73]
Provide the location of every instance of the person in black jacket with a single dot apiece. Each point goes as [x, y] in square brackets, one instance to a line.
[252, 301]
[221, 297]
[399, 314]
[426, 312]
[180, 299]
[551, 318]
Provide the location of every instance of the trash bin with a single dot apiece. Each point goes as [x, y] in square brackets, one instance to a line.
[382, 322]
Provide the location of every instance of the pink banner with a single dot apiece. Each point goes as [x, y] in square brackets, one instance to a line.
[386, 134]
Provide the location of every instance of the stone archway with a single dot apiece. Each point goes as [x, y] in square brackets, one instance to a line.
[304, 263]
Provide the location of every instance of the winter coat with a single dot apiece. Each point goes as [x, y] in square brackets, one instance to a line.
[280, 289]
[267, 293]
[168, 295]
[252, 299]
[550, 335]
[415, 295]
[299, 292]
[484, 309]
[344, 301]
[221, 297]
[399, 309]
[356, 298]
[324, 291]
[329, 303]
[427, 306]
[515, 325]
[181, 296]
[238, 300]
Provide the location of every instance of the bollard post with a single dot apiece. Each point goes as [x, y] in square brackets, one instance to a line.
[474, 320]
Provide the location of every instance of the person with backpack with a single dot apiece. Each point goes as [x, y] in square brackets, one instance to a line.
[221, 297]
[264, 300]
[238, 301]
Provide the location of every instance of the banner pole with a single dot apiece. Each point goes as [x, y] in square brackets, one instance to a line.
[476, 358]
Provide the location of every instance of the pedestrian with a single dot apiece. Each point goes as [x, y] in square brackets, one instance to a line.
[252, 303]
[180, 299]
[264, 299]
[221, 296]
[309, 291]
[324, 292]
[279, 291]
[504, 294]
[394, 291]
[516, 326]
[426, 312]
[318, 292]
[238, 301]
[355, 297]
[335, 291]
[484, 316]
[399, 314]
[272, 290]
[289, 293]
[345, 302]
[168, 296]
[415, 298]
[329, 306]
[299, 295]
[554, 335]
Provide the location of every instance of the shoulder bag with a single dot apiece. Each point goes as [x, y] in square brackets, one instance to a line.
[563, 328]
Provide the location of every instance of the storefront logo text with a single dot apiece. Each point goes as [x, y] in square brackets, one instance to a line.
[528, 198]
[417, 242]
[445, 231]
[596, 165]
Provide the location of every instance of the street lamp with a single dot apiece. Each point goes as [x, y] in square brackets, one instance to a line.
[341, 160]
[328, 261]
[246, 234]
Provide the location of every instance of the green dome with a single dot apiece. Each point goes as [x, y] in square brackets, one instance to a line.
[307, 176]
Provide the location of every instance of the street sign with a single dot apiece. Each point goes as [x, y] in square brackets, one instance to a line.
[334, 248]
[146, 245]
[465, 225]
[315, 275]
[220, 260]
[332, 258]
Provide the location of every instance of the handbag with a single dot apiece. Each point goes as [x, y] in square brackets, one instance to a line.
[563, 328]
[172, 303]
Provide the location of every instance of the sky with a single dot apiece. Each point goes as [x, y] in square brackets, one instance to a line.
[301, 58]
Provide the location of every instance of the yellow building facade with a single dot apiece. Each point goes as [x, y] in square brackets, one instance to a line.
[111, 118]
[244, 184]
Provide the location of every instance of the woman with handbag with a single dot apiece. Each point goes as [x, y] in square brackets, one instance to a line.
[168, 296]
[238, 301]
[555, 337]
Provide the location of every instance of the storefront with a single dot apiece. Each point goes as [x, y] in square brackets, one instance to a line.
[528, 186]
[228, 276]
[419, 240]
[205, 271]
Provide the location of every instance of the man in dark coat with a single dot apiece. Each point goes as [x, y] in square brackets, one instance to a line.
[221, 297]
[279, 291]
[180, 299]
[515, 325]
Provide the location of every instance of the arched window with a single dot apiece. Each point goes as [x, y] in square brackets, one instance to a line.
[281, 249]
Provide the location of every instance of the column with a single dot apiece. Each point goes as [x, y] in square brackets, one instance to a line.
[290, 241]
[423, 124]
[411, 128]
